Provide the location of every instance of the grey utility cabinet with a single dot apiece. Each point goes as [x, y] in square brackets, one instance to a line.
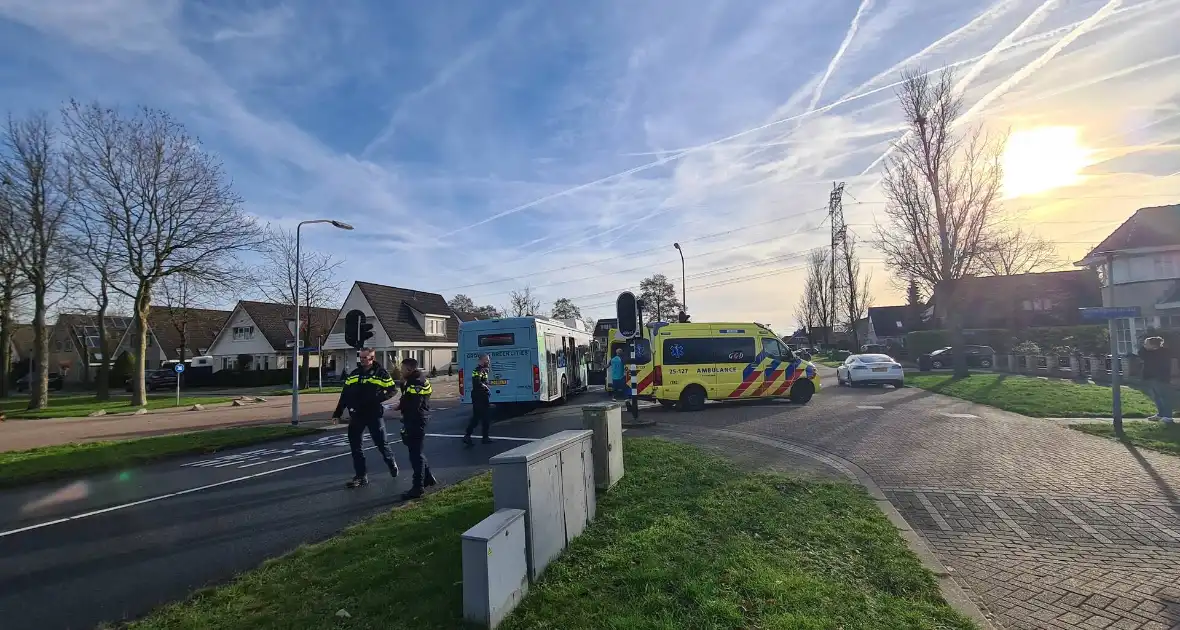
[552, 480]
[495, 570]
[606, 421]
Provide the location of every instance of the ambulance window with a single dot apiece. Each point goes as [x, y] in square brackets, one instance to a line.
[733, 349]
[687, 351]
[773, 348]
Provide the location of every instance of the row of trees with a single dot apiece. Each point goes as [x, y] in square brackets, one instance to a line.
[106, 210]
[835, 294]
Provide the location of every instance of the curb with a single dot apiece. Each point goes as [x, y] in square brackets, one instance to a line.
[952, 592]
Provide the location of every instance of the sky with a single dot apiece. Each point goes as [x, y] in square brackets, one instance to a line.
[479, 147]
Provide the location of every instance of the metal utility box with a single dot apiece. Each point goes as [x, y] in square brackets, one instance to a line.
[495, 571]
[552, 480]
[606, 421]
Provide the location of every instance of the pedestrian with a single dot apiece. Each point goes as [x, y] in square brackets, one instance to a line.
[1157, 376]
[415, 408]
[364, 390]
[618, 382]
[481, 401]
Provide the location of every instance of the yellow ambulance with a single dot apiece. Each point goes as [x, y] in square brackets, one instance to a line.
[692, 363]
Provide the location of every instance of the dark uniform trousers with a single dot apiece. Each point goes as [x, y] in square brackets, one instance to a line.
[413, 436]
[481, 406]
[375, 424]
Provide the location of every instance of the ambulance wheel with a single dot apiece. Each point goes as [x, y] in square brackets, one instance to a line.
[693, 398]
[802, 391]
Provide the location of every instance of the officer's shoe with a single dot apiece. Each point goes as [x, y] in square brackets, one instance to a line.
[393, 470]
[430, 480]
[488, 440]
[468, 441]
[357, 482]
[413, 493]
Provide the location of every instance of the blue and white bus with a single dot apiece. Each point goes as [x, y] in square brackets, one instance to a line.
[533, 359]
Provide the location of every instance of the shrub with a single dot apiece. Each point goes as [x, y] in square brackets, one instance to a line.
[121, 370]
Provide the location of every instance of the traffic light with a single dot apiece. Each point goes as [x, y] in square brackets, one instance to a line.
[356, 330]
[627, 311]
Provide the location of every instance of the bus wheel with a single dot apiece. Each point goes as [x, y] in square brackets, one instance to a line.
[802, 391]
[692, 398]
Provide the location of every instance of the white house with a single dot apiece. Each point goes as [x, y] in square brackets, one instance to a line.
[406, 323]
[263, 331]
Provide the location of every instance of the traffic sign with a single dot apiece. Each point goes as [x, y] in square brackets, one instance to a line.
[179, 368]
[1109, 312]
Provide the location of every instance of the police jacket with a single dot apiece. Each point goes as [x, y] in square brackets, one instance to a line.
[415, 401]
[481, 392]
[364, 391]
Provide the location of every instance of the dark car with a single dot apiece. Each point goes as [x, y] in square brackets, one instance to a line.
[156, 379]
[55, 382]
[977, 356]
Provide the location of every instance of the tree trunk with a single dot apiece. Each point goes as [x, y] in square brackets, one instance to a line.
[102, 382]
[955, 324]
[143, 303]
[39, 386]
[7, 297]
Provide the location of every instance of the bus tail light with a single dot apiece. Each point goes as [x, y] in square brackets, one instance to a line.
[657, 378]
[461, 383]
[536, 379]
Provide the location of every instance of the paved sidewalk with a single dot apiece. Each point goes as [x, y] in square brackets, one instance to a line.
[1044, 526]
[18, 435]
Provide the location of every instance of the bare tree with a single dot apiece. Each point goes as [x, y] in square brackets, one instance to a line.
[805, 313]
[1015, 251]
[522, 303]
[854, 288]
[13, 290]
[942, 188]
[170, 205]
[319, 286]
[37, 187]
[99, 267]
[182, 294]
[818, 291]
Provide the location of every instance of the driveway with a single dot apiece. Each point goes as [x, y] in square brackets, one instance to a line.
[1045, 527]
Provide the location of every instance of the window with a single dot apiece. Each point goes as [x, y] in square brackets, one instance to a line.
[436, 327]
[1122, 332]
[1039, 304]
[776, 350]
[226, 363]
[1165, 266]
[687, 351]
[454, 356]
[243, 333]
[497, 339]
[733, 349]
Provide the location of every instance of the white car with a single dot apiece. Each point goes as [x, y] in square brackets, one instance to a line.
[870, 369]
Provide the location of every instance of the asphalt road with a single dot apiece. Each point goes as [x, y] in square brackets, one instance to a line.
[112, 547]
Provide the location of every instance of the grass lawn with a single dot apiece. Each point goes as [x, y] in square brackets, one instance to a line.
[75, 405]
[684, 541]
[1156, 436]
[306, 390]
[1031, 396]
[67, 460]
[828, 362]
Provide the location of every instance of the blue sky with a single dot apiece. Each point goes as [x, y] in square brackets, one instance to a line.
[481, 146]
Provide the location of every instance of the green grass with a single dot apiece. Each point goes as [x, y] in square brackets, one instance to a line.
[684, 541]
[75, 405]
[1041, 398]
[305, 390]
[1156, 436]
[69, 460]
[828, 362]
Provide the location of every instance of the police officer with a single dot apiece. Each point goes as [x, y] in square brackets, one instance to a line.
[415, 408]
[481, 395]
[364, 390]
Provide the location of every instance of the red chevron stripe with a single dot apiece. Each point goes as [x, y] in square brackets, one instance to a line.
[647, 381]
[745, 384]
[774, 376]
[787, 383]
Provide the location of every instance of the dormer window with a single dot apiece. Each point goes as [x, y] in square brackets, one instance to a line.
[436, 326]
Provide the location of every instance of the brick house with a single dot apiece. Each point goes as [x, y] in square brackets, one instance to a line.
[1023, 300]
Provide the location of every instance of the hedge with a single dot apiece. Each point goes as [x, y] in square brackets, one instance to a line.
[1089, 339]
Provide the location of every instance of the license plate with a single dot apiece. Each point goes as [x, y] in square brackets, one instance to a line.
[880, 369]
[500, 382]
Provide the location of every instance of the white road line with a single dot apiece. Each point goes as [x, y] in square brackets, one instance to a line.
[123, 506]
[503, 439]
[961, 416]
[938, 519]
[1008, 520]
[869, 407]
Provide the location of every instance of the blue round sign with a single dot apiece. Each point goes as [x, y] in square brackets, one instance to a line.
[179, 367]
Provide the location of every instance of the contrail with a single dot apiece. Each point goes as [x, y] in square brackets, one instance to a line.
[1085, 27]
[865, 5]
[1031, 21]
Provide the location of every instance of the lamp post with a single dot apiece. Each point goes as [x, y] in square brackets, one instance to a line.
[295, 350]
[683, 288]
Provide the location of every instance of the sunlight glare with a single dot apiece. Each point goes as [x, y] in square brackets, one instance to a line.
[1041, 159]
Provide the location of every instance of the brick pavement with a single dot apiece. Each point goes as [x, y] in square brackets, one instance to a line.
[1045, 527]
[16, 435]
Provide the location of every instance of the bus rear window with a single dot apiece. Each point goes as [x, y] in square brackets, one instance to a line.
[498, 339]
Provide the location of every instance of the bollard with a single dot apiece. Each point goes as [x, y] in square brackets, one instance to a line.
[606, 421]
[495, 570]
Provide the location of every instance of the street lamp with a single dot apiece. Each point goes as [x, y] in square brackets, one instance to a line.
[683, 288]
[295, 351]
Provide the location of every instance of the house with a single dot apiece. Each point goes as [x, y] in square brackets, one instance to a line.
[464, 316]
[1139, 265]
[74, 350]
[20, 342]
[1022, 300]
[406, 323]
[179, 334]
[888, 324]
[260, 336]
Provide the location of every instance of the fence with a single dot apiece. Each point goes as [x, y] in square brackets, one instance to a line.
[1075, 367]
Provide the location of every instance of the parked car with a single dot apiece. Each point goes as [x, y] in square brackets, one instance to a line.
[55, 382]
[156, 379]
[977, 356]
[870, 369]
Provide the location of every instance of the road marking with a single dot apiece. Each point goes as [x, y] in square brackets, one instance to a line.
[938, 519]
[1024, 506]
[179, 493]
[1151, 521]
[1004, 517]
[503, 439]
[961, 416]
[869, 407]
[1079, 522]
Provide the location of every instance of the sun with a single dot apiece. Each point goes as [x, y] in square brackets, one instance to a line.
[1041, 159]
